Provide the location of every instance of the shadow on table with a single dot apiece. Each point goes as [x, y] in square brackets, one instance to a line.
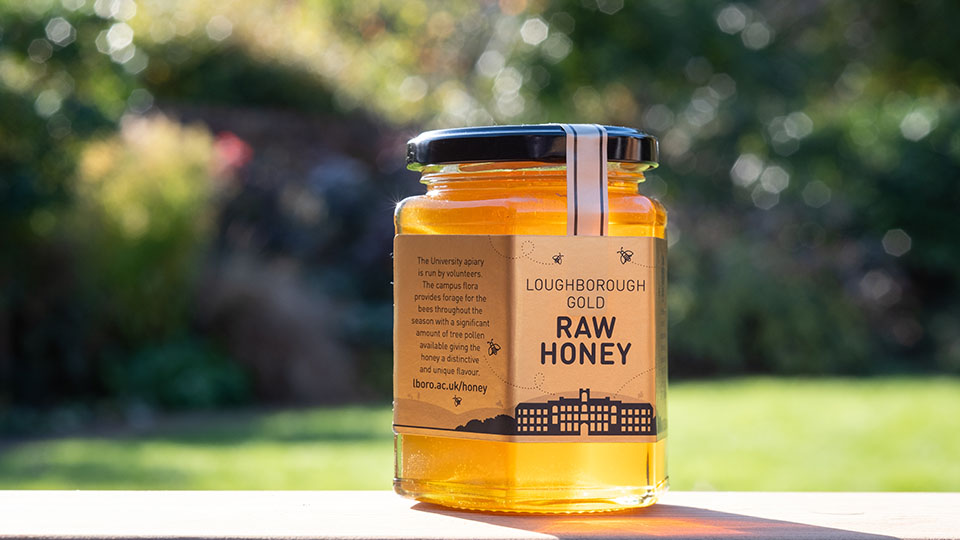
[660, 520]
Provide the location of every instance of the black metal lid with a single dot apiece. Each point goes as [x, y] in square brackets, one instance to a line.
[534, 142]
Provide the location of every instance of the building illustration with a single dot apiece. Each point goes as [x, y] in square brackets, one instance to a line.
[585, 416]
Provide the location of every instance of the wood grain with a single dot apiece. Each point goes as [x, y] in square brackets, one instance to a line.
[376, 514]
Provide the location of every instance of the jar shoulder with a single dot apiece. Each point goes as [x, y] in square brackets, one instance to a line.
[530, 212]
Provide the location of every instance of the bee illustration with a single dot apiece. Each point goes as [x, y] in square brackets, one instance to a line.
[493, 349]
[456, 401]
[558, 258]
[625, 255]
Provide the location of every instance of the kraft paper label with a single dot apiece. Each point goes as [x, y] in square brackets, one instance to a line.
[530, 338]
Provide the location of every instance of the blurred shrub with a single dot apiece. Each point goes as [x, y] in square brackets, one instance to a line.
[141, 223]
[140, 220]
[281, 329]
[299, 290]
[104, 242]
[186, 373]
[735, 308]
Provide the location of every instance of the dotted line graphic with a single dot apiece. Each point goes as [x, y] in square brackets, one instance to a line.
[538, 379]
[498, 252]
[524, 253]
[631, 379]
[642, 265]
[635, 263]
[541, 263]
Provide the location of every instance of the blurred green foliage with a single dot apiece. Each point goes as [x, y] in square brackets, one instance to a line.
[140, 219]
[810, 160]
[103, 232]
[178, 374]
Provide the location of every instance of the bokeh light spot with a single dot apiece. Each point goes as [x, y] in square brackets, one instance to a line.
[60, 31]
[490, 63]
[162, 30]
[757, 35]
[119, 36]
[676, 144]
[534, 31]
[816, 194]
[658, 118]
[609, 7]
[58, 126]
[918, 124]
[122, 10]
[413, 88]
[73, 5]
[219, 28]
[896, 242]
[508, 82]
[124, 55]
[698, 69]
[47, 103]
[137, 62]
[732, 19]
[140, 101]
[557, 47]
[774, 179]
[878, 286]
[763, 199]
[723, 85]
[798, 125]
[746, 169]
[40, 50]
[512, 105]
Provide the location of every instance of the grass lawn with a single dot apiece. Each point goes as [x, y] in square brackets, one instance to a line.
[890, 434]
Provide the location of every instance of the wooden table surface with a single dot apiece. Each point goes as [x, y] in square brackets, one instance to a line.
[380, 514]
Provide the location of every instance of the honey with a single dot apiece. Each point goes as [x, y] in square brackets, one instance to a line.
[532, 379]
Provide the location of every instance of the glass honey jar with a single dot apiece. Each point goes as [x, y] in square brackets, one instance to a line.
[530, 321]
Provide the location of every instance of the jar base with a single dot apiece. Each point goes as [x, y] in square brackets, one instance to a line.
[530, 501]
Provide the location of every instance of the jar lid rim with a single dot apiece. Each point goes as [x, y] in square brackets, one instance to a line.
[528, 142]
